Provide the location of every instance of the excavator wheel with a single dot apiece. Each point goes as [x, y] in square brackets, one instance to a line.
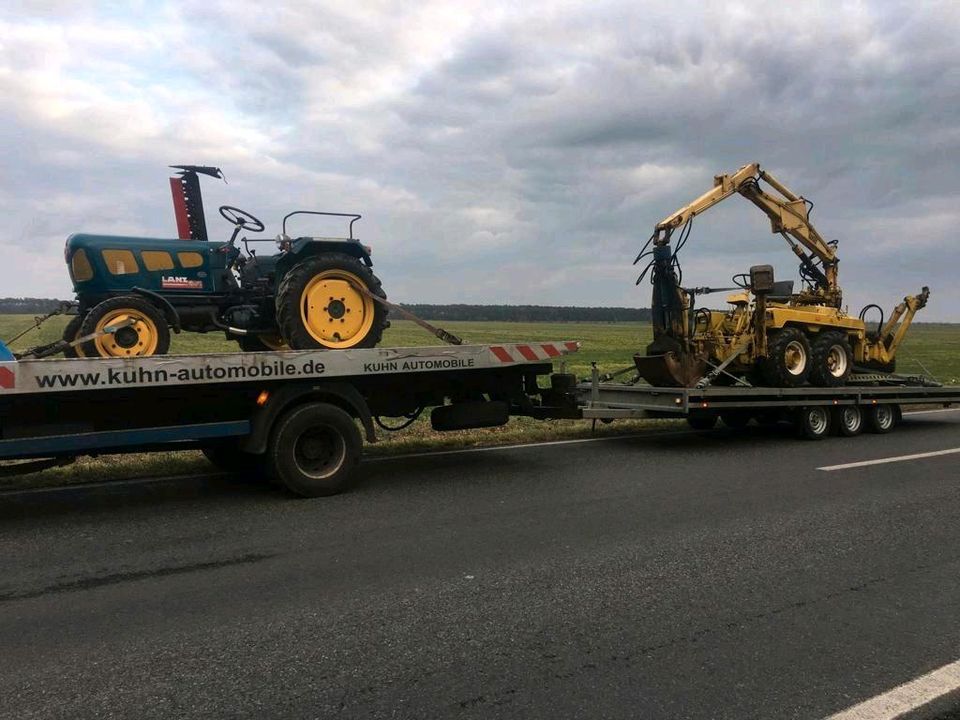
[70, 333]
[788, 359]
[831, 359]
[320, 307]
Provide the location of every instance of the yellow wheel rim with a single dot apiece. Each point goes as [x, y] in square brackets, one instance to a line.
[336, 314]
[138, 339]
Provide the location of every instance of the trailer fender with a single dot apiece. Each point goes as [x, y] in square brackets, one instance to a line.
[342, 395]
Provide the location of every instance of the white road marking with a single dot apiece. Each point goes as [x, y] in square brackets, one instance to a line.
[907, 697]
[897, 458]
[930, 412]
[521, 446]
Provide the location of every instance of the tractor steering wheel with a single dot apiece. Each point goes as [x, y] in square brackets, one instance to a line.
[241, 218]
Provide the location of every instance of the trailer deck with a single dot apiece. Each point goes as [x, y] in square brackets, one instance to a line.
[295, 412]
[816, 411]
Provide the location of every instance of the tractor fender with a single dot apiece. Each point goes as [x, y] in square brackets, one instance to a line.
[169, 311]
[304, 247]
[342, 395]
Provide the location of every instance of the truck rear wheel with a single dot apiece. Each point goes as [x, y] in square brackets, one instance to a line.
[788, 359]
[147, 334]
[831, 359]
[314, 449]
[882, 418]
[319, 305]
[813, 422]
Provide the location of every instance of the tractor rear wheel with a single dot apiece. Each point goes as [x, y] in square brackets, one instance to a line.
[146, 333]
[70, 333]
[788, 359]
[319, 305]
[831, 359]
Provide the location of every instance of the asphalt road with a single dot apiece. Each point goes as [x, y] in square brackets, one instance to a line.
[716, 576]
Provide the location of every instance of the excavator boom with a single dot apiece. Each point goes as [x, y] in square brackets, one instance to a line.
[789, 216]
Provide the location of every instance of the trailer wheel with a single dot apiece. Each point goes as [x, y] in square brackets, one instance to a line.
[881, 418]
[831, 359]
[706, 421]
[813, 422]
[314, 449]
[788, 359]
[848, 420]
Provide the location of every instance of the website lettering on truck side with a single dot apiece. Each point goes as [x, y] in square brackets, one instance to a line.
[119, 377]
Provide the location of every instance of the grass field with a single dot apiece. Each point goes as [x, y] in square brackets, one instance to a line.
[934, 349]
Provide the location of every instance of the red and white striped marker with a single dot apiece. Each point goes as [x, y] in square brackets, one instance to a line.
[533, 352]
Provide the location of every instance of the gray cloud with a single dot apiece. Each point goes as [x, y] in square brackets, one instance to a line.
[498, 153]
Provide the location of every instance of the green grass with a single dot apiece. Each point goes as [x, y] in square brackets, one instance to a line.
[934, 348]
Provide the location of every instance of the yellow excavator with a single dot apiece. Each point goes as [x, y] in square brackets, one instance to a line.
[770, 334]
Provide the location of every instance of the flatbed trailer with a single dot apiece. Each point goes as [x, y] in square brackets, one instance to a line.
[872, 404]
[296, 415]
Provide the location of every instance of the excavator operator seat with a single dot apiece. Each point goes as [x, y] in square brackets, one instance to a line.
[782, 290]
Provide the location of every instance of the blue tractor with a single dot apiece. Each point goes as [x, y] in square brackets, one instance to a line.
[315, 292]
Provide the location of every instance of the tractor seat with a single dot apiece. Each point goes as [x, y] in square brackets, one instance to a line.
[782, 291]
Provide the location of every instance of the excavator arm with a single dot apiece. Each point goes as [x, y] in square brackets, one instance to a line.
[789, 216]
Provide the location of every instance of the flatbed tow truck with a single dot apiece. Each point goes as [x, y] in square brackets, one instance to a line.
[297, 415]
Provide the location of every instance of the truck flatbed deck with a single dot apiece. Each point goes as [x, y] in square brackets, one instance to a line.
[295, 413]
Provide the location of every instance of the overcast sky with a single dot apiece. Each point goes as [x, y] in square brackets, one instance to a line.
[499, 152]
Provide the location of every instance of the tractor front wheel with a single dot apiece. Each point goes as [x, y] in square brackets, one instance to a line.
[70, 333]
[320, 304]
[143, 330]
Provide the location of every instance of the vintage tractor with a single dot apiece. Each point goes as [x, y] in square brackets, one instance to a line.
[316, 292]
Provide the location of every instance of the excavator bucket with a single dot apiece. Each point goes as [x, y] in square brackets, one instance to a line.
[670, 369]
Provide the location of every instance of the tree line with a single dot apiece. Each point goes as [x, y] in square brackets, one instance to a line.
[28, 305]
[529, 313]
[490, 313]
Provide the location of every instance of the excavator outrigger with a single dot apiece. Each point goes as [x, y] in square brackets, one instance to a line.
[771, 334]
